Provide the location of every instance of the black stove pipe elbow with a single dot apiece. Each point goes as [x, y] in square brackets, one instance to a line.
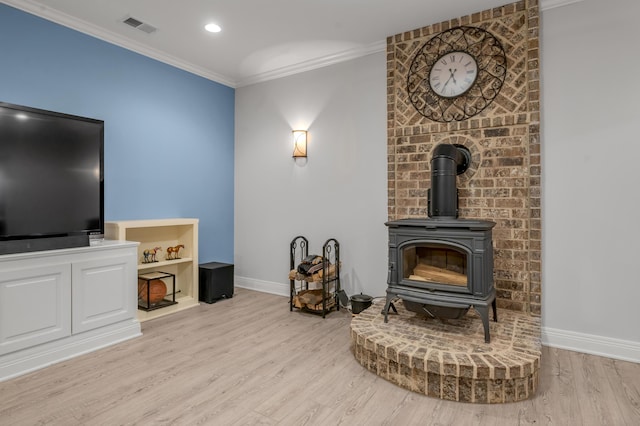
[447, 161]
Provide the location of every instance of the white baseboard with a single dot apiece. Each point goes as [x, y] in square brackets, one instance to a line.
[625, 350]
[281, 289]
[578, 342]
[27, 360]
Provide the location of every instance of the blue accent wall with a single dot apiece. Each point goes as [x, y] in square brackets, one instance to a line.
[169, 134]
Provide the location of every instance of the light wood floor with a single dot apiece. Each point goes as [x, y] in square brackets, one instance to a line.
[249, 361]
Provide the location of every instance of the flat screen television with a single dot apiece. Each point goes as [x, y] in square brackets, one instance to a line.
[51, 179]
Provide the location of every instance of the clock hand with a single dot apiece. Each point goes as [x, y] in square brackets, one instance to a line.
[445, 85]
[453, 75]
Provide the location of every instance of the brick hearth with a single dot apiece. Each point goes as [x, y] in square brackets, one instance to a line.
[448, 359]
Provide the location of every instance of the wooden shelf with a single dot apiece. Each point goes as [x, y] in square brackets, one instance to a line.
[164, 233]
[183, 303]
[160, 264]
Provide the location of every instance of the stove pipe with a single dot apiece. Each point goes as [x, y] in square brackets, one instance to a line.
[447, 161]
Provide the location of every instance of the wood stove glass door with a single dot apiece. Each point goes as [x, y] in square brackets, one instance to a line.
[439, 266]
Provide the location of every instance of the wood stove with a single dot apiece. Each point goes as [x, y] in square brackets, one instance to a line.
[441, 266]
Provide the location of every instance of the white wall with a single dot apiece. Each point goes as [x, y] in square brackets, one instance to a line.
[341, 189]
[591, 151]
[591, 157]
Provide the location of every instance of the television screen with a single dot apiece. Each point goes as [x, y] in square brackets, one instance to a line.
[51, 174]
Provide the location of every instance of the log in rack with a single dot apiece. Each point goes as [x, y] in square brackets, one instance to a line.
[329, 280]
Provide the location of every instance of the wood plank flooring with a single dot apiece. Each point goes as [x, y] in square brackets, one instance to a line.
[249, 361]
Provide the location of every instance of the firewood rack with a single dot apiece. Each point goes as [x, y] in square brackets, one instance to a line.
[327, 278]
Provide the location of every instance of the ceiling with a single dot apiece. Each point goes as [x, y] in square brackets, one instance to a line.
[260, 39]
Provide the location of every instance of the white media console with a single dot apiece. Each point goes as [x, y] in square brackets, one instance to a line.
[58, 304]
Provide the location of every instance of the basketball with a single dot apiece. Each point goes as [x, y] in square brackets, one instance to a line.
[157, 291]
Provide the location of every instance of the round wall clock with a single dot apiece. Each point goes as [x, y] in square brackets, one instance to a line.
[456, 74]
[453, 74]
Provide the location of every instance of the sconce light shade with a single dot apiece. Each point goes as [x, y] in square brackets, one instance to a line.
[299, 143]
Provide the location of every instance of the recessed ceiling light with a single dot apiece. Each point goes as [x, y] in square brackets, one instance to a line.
[213, 28]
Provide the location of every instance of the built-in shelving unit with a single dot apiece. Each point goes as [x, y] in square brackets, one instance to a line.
[57, 304]
[164, 233]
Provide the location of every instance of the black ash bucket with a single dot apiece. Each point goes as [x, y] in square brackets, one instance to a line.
[360, 302]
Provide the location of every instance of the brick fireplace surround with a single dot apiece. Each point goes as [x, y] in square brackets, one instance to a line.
[444, 358]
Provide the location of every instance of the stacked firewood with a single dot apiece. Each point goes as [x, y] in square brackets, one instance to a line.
[312, 270]
[315, 277]
[311, 299]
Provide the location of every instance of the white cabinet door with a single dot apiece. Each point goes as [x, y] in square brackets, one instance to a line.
[35, 306]
[104, 291]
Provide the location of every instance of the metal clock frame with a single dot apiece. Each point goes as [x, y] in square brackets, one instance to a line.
[490, 57]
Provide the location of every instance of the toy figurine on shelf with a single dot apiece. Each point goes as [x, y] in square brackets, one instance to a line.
[173, 252]
[150, 255]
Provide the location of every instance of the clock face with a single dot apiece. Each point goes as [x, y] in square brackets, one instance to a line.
[456, 74]
[453, 74]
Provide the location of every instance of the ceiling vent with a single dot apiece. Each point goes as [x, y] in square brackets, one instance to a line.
[139, 25]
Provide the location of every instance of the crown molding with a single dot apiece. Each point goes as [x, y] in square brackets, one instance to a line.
[351, 54]
[552, 4]
[113, 38]
[33, 8]
[315, 63]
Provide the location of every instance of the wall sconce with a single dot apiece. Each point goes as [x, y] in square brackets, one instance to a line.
[299, 144]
